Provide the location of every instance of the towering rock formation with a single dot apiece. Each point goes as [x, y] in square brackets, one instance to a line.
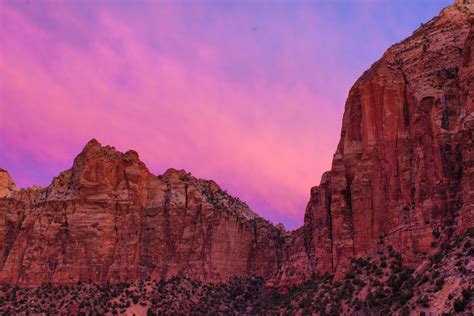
[109, 219]
[403, 171]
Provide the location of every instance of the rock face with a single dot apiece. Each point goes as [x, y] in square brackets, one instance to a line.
[7, 186]
[402, 175]
[109, 219]
[403, 172]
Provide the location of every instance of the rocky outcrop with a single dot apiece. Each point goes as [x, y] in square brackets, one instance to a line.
[402, 174]
[109, 219]
[7, 186]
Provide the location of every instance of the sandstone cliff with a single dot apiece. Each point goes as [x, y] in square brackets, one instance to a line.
[403, 172]
[109, 219]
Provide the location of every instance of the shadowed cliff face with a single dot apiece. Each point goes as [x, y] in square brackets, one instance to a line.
[403, 170]
[109, 219]
[402, 175]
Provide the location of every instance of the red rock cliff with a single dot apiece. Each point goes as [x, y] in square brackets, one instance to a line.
[402, 175]
[109, 219]
[404, 167]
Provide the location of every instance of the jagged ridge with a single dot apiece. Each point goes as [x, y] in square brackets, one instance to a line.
[108, 219]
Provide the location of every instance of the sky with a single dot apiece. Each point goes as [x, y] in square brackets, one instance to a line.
[247, 93]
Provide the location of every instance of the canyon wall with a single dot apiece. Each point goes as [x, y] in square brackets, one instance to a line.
[108, 219]
[403, 172]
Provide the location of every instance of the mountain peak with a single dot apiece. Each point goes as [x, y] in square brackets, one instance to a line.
[94, 149]
[92, 143]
